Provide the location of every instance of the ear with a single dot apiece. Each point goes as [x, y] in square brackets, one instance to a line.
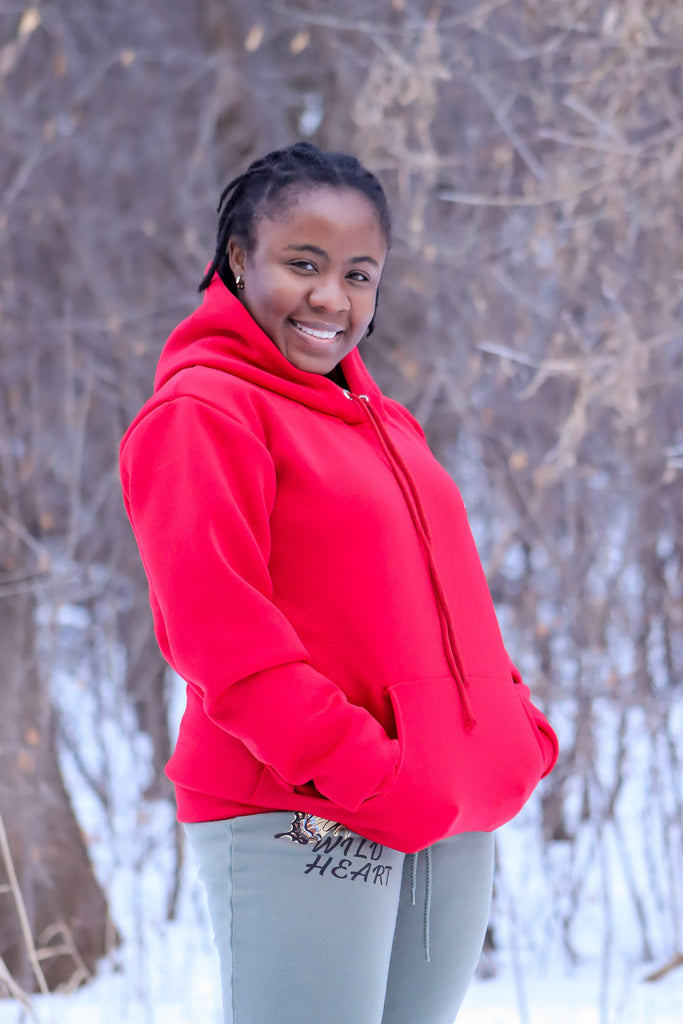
[237, 257]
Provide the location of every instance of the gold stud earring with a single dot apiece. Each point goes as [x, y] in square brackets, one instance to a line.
[239, 282]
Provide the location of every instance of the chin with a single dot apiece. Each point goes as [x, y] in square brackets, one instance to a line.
[314, 367]
[311, 364]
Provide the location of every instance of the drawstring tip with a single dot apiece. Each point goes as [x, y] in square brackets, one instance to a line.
[413, 879]
[471, 723]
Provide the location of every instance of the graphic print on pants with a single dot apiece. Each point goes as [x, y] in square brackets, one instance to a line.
[337, 852]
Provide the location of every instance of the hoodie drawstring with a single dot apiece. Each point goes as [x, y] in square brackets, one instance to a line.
[420, 522]
[426, 918]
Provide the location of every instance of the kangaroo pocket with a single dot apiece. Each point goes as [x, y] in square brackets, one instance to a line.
[453, 779]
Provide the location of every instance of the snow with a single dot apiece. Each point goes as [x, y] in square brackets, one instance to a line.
[556, 997]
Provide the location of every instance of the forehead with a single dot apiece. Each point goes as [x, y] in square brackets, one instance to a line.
[343, 215]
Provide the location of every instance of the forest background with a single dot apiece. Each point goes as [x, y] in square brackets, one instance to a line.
[530, 317]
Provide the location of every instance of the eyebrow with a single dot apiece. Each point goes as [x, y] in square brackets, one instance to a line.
[317, 251]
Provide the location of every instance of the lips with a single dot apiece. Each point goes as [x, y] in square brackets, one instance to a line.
[321, 332]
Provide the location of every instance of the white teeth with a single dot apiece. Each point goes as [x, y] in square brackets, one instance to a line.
[323, 335]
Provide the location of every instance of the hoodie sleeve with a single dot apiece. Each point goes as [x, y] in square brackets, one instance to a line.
[199, 487]
[546, 733]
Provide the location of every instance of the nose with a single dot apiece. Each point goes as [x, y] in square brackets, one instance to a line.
[328, 293]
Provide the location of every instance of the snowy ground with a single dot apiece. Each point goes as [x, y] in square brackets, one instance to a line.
[551, 999]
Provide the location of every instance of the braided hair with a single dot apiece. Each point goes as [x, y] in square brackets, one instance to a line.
[273, 181]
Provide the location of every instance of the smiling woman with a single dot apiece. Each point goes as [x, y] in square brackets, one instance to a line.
[314, 580]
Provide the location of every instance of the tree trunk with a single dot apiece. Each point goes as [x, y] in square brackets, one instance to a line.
[65, 906]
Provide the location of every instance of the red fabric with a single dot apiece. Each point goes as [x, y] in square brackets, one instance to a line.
[314, 580]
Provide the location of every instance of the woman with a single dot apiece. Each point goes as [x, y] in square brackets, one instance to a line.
[313, 579]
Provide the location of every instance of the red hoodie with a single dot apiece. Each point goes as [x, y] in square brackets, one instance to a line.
[314, 580]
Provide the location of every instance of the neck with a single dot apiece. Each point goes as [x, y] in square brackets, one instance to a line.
[337, 376]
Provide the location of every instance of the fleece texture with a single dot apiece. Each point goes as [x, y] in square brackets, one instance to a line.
[314, 580]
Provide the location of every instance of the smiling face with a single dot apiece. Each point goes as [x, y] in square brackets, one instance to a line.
[311, 278]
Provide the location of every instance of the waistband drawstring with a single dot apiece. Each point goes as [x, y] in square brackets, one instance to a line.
[428, 895]
[413, 878]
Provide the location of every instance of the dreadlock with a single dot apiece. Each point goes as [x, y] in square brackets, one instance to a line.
[269, 183]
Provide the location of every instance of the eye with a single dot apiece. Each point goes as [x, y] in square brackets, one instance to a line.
[304, 265]
[358, 275]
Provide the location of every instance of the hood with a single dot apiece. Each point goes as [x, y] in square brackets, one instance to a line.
[222, 335]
